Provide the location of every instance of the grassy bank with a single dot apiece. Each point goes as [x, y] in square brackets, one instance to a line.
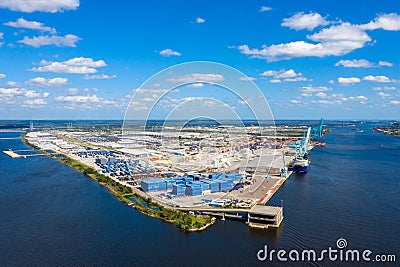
[124, 194]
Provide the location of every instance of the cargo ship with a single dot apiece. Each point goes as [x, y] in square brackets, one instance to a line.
[300, 165]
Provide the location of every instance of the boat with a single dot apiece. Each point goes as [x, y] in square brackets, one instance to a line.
[300, 165]
[320, 144]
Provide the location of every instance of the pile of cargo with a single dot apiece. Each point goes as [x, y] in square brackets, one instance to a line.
[192, 185]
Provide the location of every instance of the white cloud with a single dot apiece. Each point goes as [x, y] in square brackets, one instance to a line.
[284, 75]
[29, 6]
[8, 93]
[386, 88]
[360, 97]
[1, 35]
[168, 52]
[314, 89]
[395, 102]
[331, 99]
[198, 77]
[385, 63]
[295, 101]
[379, 79]
[196, 85]
[349, 80]
[72, 91]
[275, 81]
[200, 20]
[336, 40]
[355, 63]
[389, 22]
[78, 65]
[247, 78]
[99, 76]
[302, 21]
[42, 82]
[321, 95]
[150, 91]
[383, 95]
[79, 98]
[32, 25]
[265, 8]
[34, 103]
[2, 75]
[68, 40]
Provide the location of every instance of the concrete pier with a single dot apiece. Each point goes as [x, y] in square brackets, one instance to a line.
[259, 216]
[11, 154]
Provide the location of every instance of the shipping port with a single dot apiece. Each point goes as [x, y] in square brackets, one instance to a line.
[225, 172]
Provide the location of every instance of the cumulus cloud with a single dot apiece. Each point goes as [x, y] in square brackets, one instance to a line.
[68, 40]
[31, 25]
[9, 93]
[99, 76]
[330, 99]
[1, 35]
[284, 75]
[169, 52]
[335, 40]
[394, 102]
[196, 85]
[355, 63]
[2, 75]
[385, 88]
[379, 79]
[247, 78]
[383, 95]
[389, 22]
[197, 77]
[77, 65]
[359, 97]
[42, 82]
[301, 21]
[72, 91]
[314, 89]
[200, 20]
[79, 98]
[34, 103]
[30, 6]
[385, 63]
[265, 8]
[349, 80]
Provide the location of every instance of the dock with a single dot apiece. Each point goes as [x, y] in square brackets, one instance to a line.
[14, 153]
[11, 153]
[259, 216]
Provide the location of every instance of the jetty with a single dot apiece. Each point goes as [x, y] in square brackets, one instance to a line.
[15, 153]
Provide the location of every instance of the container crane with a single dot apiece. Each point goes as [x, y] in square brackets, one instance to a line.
[301, 161]
[318, 131]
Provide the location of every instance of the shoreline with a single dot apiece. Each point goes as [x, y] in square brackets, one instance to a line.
[182, 220]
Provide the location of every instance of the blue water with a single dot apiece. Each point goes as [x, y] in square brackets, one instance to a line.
[52, 215]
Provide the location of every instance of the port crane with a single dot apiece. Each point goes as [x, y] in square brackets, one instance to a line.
[301, 146]
[318, 131]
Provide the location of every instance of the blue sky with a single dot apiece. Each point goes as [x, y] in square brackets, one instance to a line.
[85, 59]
